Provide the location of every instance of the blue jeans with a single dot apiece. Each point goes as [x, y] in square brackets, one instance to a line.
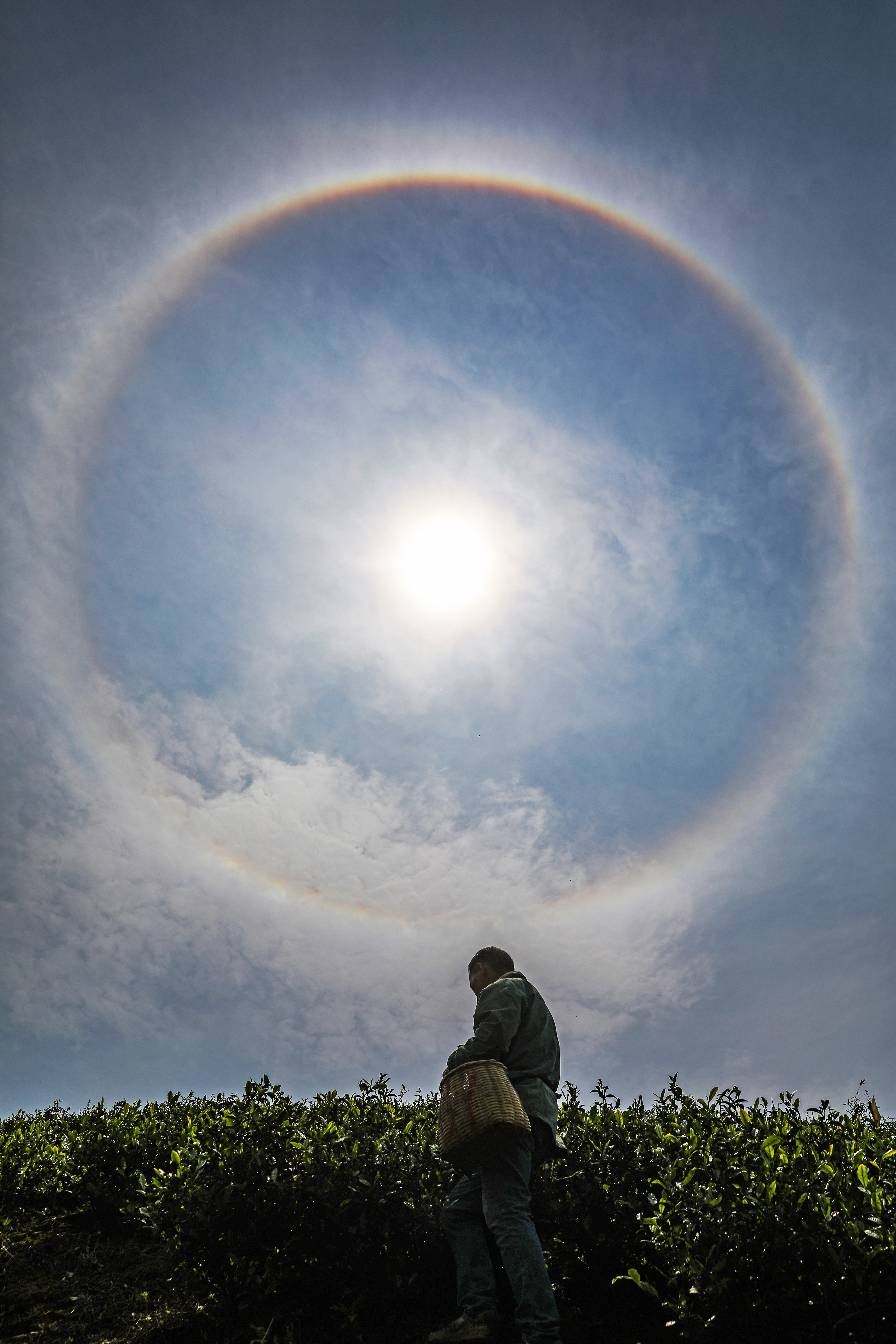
[496, 1196]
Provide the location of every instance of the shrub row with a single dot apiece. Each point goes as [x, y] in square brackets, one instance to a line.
[731, 1220]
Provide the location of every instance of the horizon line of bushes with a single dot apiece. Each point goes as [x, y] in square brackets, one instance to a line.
[600, 1088]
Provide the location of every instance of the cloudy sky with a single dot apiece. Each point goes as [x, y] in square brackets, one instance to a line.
[447, 500]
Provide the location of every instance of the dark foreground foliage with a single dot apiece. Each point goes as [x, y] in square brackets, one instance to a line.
[257, 1217]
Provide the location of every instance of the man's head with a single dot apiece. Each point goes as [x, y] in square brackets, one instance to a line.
[487, 965]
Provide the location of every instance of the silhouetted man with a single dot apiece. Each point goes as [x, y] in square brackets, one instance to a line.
[511, 1023]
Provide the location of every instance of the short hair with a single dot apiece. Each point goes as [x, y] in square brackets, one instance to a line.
[493, 957]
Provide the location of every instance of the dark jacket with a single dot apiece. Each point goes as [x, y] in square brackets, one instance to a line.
[513, 1023]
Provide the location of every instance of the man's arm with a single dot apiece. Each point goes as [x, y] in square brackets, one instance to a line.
[499, 1010]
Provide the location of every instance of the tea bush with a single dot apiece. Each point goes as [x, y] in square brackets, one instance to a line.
[749, 1221]
[724, 1219]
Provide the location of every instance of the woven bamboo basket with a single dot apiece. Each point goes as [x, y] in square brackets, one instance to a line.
[478, 1107]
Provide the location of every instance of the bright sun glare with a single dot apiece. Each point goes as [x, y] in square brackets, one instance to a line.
[445, 563]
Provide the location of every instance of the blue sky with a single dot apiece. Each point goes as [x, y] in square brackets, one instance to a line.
[264, 796]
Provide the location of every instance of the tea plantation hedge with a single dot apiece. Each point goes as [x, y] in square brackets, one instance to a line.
[710, 1218]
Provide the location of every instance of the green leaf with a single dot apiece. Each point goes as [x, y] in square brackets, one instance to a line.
[640, 1283]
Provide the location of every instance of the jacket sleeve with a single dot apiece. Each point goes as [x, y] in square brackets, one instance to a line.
[499, 1010]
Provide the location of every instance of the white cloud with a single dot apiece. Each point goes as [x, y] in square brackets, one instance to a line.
[163, 911]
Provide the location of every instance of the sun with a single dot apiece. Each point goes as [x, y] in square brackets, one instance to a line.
[444, 563]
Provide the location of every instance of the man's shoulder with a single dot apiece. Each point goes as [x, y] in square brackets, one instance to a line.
[511, 987]
[514, 982]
